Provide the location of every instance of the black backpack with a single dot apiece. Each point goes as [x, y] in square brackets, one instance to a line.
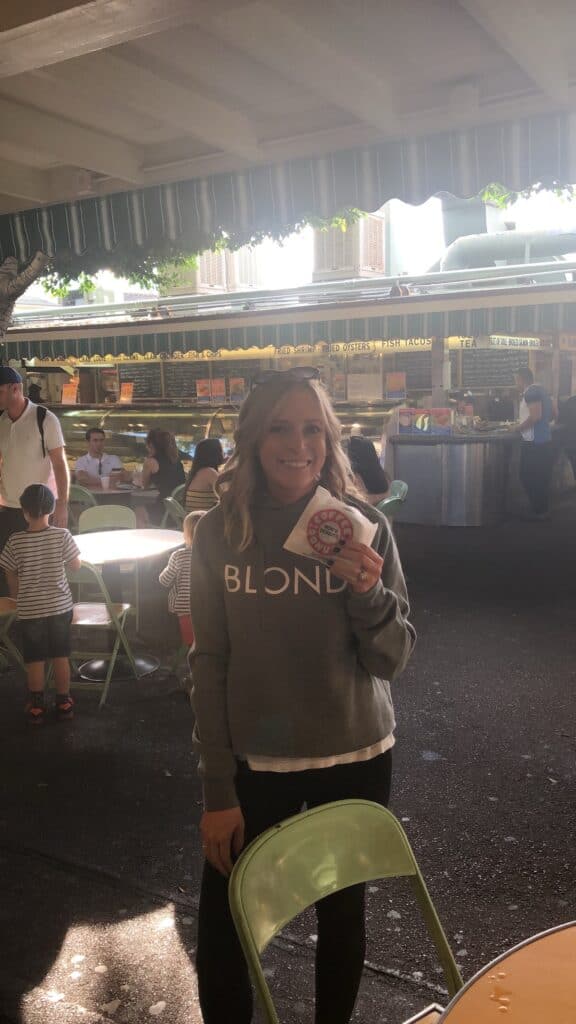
[41, 411]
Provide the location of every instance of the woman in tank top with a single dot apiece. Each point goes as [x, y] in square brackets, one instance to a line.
[162, 469]
[203, 474]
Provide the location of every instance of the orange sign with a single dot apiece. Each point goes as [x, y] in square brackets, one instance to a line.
[70, 391]
[218, 389]
[126, 392]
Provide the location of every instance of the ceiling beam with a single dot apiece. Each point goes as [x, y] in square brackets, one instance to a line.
[530, 36]
[190, 112]
[24, 182]
[49, 36]
[287, 45]
[68, 143]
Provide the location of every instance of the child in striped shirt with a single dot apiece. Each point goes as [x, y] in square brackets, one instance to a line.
[176, 575]
[35, 563]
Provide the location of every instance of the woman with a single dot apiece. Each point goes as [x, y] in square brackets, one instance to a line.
[161, 469]
[290, 664]
[371, 480]
[208, 457]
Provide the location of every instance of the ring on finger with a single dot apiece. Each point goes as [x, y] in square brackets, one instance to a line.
[362, 576]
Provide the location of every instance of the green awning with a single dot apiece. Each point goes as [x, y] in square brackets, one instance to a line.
[190, 216]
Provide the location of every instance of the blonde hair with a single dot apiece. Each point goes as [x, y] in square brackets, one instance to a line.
[189, 524]
[242, 477]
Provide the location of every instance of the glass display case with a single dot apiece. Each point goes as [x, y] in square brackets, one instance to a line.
[126, 428]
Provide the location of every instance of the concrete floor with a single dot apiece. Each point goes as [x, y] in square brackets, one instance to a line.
[99, 848]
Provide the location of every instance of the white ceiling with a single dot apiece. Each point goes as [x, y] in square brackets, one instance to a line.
[101, 96]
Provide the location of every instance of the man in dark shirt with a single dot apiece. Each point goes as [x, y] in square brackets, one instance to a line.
[537, 411]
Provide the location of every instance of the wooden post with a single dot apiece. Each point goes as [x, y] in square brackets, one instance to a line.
[440, 373]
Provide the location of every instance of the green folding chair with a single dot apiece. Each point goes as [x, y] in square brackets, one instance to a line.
[106, 517]
[179, 494]
[79, 499]
[114, 517]
[8, 648]
[103, 615]
[398, 489]
[173, 513]
[315, 854]
[397, 495]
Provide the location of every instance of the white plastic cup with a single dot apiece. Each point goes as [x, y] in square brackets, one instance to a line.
[105, 482]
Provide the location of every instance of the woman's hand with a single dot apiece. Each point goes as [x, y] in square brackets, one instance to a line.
[222, 837]
[359, 565]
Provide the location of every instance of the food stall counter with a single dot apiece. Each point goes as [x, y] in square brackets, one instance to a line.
[454, 479]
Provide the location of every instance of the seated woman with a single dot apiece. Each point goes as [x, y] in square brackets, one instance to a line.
[371, 480]
[203, 474]
[161, 470]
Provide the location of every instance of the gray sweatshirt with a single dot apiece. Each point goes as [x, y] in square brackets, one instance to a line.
[288, 661]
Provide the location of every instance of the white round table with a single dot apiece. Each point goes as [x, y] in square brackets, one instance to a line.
[111, 547]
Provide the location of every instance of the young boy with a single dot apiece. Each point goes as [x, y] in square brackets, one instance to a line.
[176, 575]
[35, 563]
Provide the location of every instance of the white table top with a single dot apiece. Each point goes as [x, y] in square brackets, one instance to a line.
[111, 546]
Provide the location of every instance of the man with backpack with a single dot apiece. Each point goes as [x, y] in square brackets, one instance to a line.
[31, 452]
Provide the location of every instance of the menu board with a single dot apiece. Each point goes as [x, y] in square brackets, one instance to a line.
[418, 369]
[491, 368]
[146, 378]
[180, 378]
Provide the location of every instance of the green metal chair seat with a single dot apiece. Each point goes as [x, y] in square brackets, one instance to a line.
[315, 854]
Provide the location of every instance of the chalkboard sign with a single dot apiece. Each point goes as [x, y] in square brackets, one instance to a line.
[180, 378]
[418, 369]
[146, 378]
[491, 368]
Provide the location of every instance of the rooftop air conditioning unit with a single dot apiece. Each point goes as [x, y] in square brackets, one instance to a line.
[357, 252]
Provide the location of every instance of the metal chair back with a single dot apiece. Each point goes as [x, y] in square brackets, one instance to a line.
[79, 498]
[174, 512]
[179, 494]
[106, 517]
[315, 854]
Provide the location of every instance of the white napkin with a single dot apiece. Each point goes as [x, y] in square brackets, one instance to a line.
[325, 524]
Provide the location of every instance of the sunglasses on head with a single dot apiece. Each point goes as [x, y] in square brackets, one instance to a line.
[294, 373]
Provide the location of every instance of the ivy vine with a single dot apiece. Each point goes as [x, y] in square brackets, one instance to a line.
[502, 197]
[156, 264]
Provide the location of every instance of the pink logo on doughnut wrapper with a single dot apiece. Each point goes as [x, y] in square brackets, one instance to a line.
[328, 529]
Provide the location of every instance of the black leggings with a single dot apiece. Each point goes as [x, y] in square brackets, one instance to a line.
[267, 798]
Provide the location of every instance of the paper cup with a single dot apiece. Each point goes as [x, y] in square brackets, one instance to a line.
[105, 482]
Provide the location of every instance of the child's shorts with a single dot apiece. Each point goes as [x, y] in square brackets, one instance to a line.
[186, 630]
[46, 637]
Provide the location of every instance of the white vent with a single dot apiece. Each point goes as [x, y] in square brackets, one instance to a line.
[357, 252]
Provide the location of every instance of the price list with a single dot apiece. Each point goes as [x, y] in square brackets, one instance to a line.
[490, 368]
[418, 369]
[180, 378]
[146, 378]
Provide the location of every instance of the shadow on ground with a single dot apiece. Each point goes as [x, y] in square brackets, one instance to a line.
[99, 848]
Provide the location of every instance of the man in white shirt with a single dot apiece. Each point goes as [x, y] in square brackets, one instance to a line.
[31, 452]
[90, 468]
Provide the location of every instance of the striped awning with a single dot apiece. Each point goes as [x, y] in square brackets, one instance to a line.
[191, 216]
